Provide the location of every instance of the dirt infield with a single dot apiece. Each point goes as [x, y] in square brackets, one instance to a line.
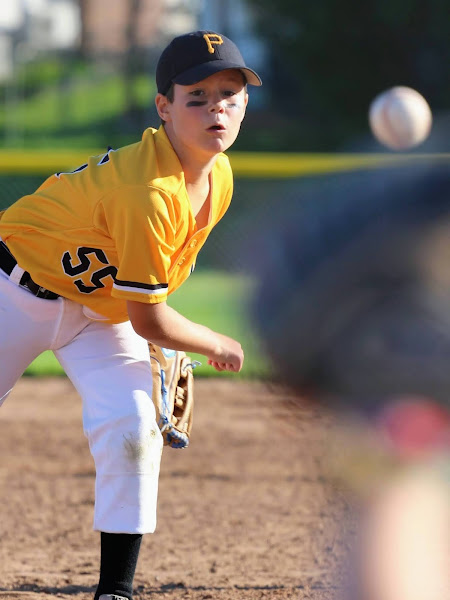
[246, 512]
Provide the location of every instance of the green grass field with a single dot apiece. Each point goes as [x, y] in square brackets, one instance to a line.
[217, 300]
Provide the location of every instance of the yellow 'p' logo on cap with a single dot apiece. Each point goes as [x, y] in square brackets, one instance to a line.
[212, 39]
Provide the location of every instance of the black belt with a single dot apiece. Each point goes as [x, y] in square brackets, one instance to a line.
[7, 264]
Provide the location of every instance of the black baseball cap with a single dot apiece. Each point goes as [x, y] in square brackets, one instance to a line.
[194, 56]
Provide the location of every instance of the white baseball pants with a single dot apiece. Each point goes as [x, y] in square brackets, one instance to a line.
[109, 366]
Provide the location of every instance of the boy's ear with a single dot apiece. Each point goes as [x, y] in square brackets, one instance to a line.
[245, 105]
[162, 103]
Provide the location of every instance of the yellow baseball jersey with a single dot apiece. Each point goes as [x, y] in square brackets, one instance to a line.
[118, 228]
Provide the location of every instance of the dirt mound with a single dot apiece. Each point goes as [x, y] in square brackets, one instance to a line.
[246, 512]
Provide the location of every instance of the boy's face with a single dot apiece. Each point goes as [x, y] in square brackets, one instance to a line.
[205, 118]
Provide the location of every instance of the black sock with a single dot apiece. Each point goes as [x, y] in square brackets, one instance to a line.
[119, 556]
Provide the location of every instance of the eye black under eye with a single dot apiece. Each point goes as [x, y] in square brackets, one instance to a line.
[196, 103]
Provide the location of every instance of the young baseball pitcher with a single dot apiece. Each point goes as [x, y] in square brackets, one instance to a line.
[87, 263]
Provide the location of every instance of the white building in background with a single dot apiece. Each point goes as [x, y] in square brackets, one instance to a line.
[11, 17]
[28, 27]
[178, 17]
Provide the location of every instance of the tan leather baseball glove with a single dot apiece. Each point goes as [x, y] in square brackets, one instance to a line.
[173, 394]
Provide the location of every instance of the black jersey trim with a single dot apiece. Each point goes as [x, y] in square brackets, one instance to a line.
[143, 286]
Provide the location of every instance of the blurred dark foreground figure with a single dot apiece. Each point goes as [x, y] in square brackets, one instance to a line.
[353, 306]
[354, 295]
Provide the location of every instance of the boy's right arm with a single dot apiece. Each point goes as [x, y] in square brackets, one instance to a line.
[161, 324]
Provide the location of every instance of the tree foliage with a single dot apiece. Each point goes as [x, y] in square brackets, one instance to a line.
[329, 58]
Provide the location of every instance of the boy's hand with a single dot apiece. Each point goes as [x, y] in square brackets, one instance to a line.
[224, 366]
[228, 357]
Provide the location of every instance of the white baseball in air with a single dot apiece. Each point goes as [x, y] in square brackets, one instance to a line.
[400, 118]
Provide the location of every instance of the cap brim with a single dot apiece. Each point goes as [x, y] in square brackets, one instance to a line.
[203, 71]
